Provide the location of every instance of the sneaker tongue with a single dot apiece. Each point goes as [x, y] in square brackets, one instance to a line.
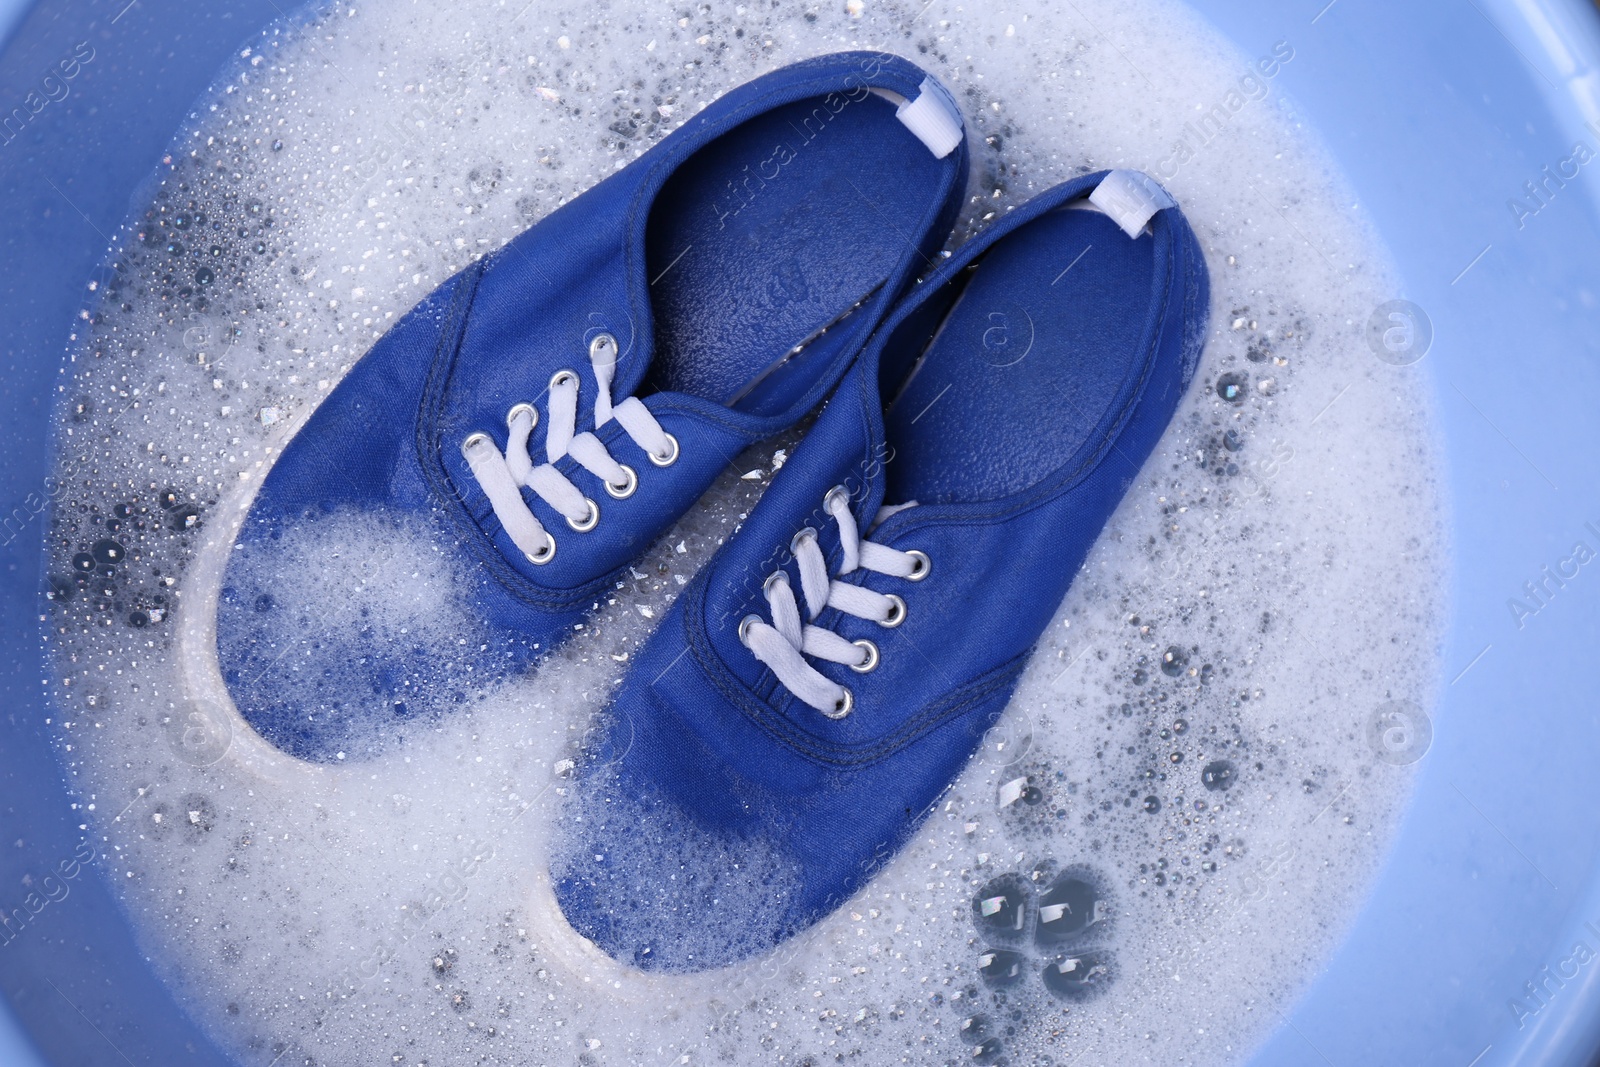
[890, 509]
[632, 361]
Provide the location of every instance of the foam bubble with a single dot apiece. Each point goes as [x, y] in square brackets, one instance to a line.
[1270, 584]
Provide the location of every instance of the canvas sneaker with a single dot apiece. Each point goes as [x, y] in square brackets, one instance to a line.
[834, 666]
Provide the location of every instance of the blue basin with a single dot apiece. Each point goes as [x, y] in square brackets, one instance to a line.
[1480, 942]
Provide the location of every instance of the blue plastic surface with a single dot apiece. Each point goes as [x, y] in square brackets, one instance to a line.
[1438, 113]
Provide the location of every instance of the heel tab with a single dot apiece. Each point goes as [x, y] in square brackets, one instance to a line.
[933, 117]
[1131, 198]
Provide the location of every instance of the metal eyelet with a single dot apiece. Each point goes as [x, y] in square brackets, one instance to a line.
[773, 579]
[549, 553]
[518, 409]
[897, 613]
[671, 455]
[838, 492]
[600, 346]
[807, 534]
[562, 377]
[589, 521]
[625, 490]
[869, 664]
[474, 440]
[924, 565]
[841, 709]
[744, 628]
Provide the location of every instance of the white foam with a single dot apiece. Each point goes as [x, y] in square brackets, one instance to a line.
[393, 909]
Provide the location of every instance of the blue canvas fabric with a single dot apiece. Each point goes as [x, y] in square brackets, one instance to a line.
[740, 264]
[1045, 360]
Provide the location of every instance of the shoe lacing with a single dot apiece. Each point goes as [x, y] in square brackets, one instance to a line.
[502, 476]
[784, 643]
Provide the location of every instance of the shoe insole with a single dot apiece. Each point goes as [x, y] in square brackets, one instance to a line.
[1023, 368]
[773, 232]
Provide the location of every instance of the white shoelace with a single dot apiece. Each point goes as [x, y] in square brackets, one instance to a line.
[784, 643]
[503, 476]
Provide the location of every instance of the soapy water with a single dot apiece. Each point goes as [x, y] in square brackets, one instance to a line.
[1152, 852]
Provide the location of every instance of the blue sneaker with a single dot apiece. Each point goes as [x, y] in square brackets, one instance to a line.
[829, 672]
[457, 504]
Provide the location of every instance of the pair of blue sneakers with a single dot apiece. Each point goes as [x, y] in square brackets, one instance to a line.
[545, 415]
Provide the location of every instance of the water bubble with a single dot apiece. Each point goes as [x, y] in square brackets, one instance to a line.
[83, 562]
[1232, 386]
[174, 248]
[205, 276]
[277, 146]
[195, 815]
[1180, 726]
[1152, 804]
[183, 518]
[121, 511]
[253, 207]
[1002, 908]
[1218, 775]
[1077, 976]
[107, 552]
[1173, 661]
[975, 1028]
[181, 222]
[1232, 441]
[988, 1052]
[1066, 910]
[169, 498]
[138, 620]
[1000, 967]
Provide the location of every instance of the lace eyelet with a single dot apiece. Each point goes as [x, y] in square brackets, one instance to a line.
[744, 628]
[842, 708]
[773, 579]
[589, 521]
[897, 613]
[923, 565]
[600, 346]
[475, 440]
[837, 493]
[671, 455]
[562, 377]
[518, 409]
[807, 534]
[870, 664]
[625, 490]
[549, 553]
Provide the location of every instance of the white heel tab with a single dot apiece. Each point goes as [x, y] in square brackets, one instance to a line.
[933, 117]
[1131, 198]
